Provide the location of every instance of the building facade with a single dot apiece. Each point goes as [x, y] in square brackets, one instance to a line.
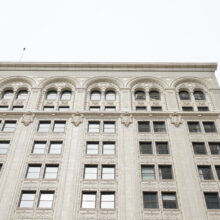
[116, 141]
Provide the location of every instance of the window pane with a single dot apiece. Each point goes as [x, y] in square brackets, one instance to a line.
[217, 168]
[203, 109]
[3, 107]
[110, 108]
[212, 200]
[94, 108]
[18, 107]
[214, 147]
[51, 95]
[143, 126]
[48, 108]
[94, 126]
[154, 95]
[27, 199]
[8, 94]
[184, 95]
[9, 126]
[150, 200]
[145, 147]
[209, 127]
[95, 96]
[147, 172]
[22, 95]
[64, 108]
[109, 127]
[108, 172]
[169, 200]
[199, 95]
[110, 96]
[199, 148]
[165, 172]
[90, 172]
[51, 171]
[139, 95]
[162, 148]
[44, 126]
[4, 145]
[107, 200]
[92, 147]
[46, 199]
[88, 200]
[159, 126]
[194, 127]
[59, 126]
[39, 147]
[187, 108]
[141, 108]
[156, 108]
[108, 148]
[33, 171]
[55, 147]
[66, 95]
[205, 172]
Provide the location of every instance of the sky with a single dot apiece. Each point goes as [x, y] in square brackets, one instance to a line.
[110, 31]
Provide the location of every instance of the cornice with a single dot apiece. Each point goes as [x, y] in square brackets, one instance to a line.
[57, 66]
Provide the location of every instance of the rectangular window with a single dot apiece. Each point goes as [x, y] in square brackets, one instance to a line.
[44, 126]
[94, 108]
[48, 108]
[110, 108]
[159, 126]
[3, 107]
[92, 148]
[4, 145]
[9, 126]
[209, 127]
[88, 200]
[214, 147]
[1, 166]
[141, 108]
[46, 199]
[203, 109]
[55, 147]
[59, 126]
[165, 172]
[108, 172]
[27, 199]
[169, 200]
[94, 126]
[212, 200]
[199, 148]
[194, 126]
[18, 107]
[187, 108]
[205, 172]
[64, 108]
[217, 168]
[39, 147]
[51, 171]
[150, 200]
[143, 126]
[145, 147]
[109, 127]
[156, 108]
[162, 148]
[107, 200]
[147, 172]
[108, 148]
[33, 171]
[90, 172]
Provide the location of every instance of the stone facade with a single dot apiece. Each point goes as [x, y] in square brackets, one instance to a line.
[113, 98]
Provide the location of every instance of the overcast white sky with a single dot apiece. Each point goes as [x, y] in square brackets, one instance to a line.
[110, 30]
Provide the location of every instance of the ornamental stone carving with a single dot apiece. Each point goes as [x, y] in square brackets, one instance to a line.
[77, 119]
[126, 119]
[176, 119]
[28, 118]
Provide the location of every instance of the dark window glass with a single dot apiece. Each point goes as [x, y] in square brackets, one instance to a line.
[147, 172]
[143, 126]
[154, 95]
[159, 126]
[141, 108]
[169, 200]
[156, 108]
[187, 108]
[217, 168]
[139, 95]
[184, 95]
[205, 172]
[199, 148]
[212, 200]
[194, 127]
[165, 172]
[209, 126]
[214, 147]
[145, 147]
[162, 148]
[150, 200]
[199, 95]
[203, 109]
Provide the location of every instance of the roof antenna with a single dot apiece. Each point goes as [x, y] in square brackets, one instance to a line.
[22, 54]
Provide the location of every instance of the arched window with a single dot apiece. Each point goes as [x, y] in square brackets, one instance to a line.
[22, 94]
[199, 95]
[95, 95]
[8, 94]
[66, 95]
[110, 95]
[154, 94]
[139, 95]
[184, 95]
[51, 95]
